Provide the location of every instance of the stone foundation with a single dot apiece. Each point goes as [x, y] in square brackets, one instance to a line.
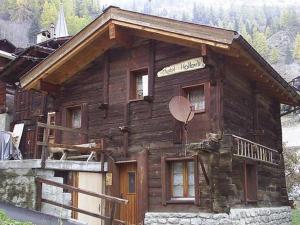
[251, 216]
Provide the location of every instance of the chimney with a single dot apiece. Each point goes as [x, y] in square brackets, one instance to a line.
[42, 36]
[52, 31]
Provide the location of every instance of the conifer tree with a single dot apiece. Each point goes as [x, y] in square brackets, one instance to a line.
[274, 55]
[49, 14]
[260, 43]
[296, 52]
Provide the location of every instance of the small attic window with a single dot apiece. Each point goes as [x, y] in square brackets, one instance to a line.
[138, 84]
[74, 117]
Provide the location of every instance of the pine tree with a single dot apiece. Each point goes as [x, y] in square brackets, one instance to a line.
[245, 34]
[274, 55]
[260, 42]
[296, 52]
[49, 14]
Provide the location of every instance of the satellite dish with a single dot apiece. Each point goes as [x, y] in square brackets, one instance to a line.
[181, 109]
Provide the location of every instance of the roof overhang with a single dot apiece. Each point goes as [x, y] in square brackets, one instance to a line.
[115, 25]
[7, 55]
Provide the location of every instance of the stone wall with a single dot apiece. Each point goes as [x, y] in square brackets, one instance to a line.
[17, 186]
[251, 216]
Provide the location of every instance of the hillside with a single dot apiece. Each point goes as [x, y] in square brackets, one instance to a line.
[271, 27]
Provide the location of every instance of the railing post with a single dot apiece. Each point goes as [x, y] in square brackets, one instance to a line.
[39, 187]
[112, 213]
[45, 148]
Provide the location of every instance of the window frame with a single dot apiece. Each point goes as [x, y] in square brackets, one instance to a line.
[167, 191]
[69, 110]
[187, 89]
[185, 178]
[132, 83]
[247, 182]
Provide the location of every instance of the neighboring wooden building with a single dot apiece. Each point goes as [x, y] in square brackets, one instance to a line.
[7, 51]
[28, 106]
[115, 79]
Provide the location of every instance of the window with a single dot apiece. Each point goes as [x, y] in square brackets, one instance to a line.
[51, 121]
[250, 184]
[131, 183]
[182, 180]
[196, 96]
[74, 117]
[139, 84]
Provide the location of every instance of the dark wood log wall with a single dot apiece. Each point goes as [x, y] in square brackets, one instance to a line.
[240, 107]
[104, 87]
[243, 113]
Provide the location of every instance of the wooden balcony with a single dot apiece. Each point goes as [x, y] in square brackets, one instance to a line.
[250, 150]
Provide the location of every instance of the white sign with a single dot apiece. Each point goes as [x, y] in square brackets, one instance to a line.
[187, 65]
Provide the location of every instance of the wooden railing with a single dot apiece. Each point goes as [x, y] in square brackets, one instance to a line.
[99, 150]
[251, 150]
[113, 200]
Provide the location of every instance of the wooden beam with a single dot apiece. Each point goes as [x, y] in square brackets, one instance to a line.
[171, 39]
[70, 147]
[52, 89]
[56, 127]
[82, 59]
[90, 193]
[120, 35]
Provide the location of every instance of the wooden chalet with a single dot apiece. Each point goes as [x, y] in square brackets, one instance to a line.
[114, 80]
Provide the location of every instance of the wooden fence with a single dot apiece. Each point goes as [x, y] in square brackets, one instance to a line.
[99, 150]
[113, 200]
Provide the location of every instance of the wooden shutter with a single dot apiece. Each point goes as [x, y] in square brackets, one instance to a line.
[84, 122]
[197, 180]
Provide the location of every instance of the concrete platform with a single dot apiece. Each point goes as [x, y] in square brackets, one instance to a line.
[53, 165]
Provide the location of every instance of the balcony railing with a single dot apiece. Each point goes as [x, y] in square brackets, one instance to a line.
[251, 150]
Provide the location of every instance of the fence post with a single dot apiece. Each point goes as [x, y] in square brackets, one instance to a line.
[45, 148]
[112, 213]
[39, 187]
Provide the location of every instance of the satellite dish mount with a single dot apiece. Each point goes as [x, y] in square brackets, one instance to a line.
[182, 110]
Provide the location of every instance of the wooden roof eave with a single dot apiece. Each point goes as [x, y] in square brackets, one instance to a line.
[266, 69]
[130, 20]
[30, 79]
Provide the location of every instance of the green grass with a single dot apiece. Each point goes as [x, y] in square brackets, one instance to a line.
[5, 220]
[296, 217]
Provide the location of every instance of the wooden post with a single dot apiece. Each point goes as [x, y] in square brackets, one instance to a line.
[112, 213]
[38, 203]
[45, 148]
[102, 159]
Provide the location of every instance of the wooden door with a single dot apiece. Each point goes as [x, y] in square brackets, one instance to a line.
[90, 182]
[128, 190]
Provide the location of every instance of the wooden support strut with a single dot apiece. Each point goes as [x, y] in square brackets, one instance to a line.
[116, 33]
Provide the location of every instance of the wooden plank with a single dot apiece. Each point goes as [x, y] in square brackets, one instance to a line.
[151, 68]
[57, 127]
[164, 180]
[71, 188]
[38, 206]
[52, 89]
[70, 147]
[197, 180]
[142, 185]
[75, 209]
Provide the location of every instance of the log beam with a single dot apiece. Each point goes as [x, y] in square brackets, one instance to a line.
[118, 34]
